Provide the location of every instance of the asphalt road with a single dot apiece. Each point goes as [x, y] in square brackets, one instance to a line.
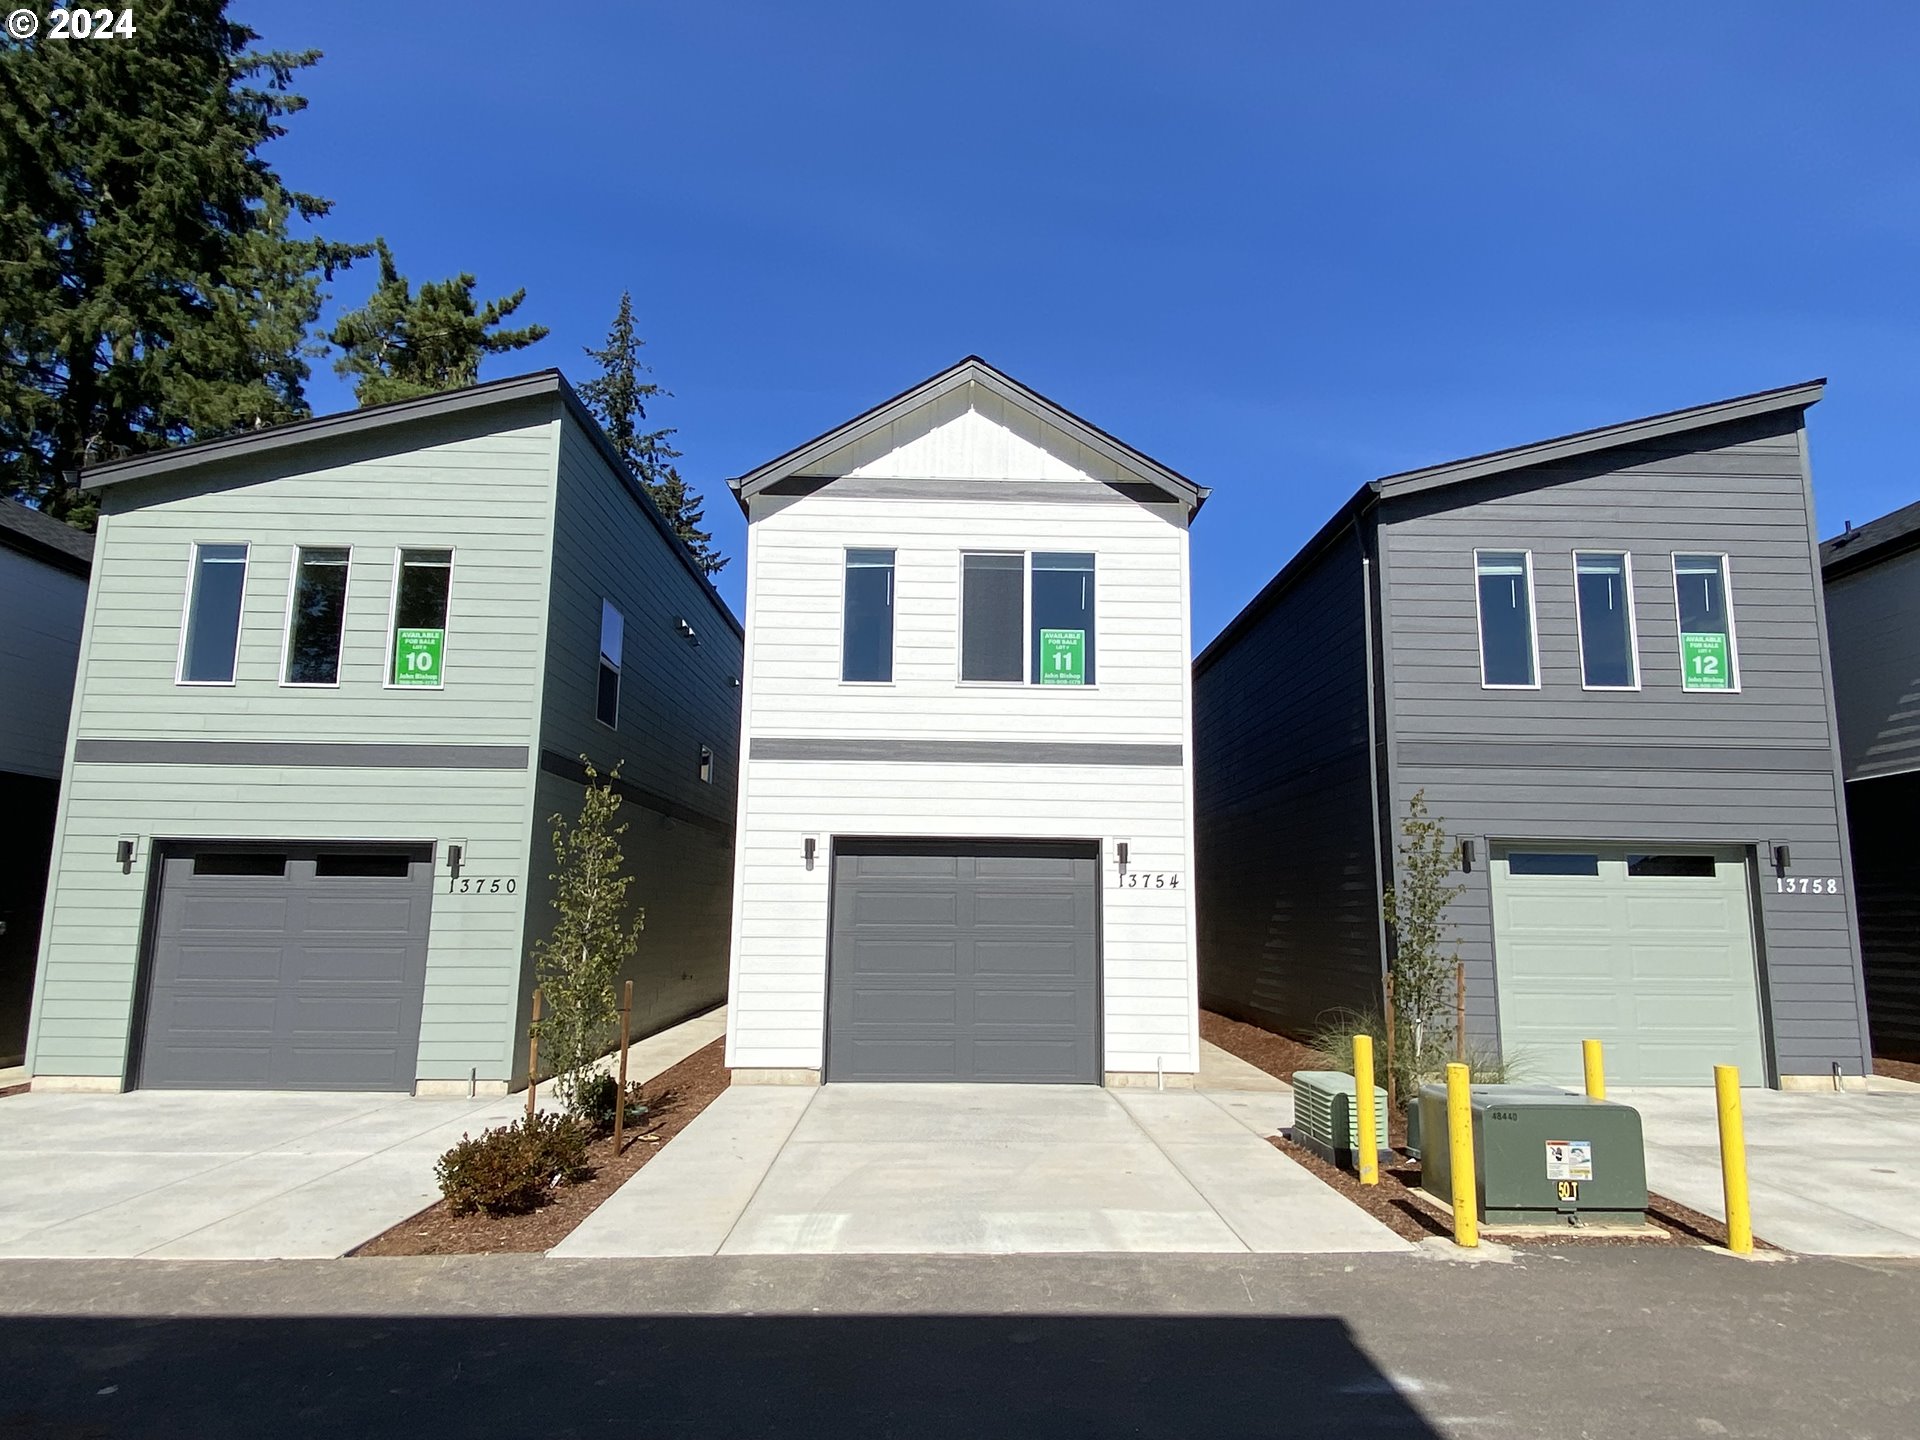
[1585, 1343]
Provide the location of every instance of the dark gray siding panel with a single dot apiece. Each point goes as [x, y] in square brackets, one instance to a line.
[1289, 919]
[1738, 489]
[1873, 619]
[1886, 866]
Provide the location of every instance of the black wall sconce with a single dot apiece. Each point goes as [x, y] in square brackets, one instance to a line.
[454, 855]
[1466, 857]
[1120, 854]
[806, 849]
[123, 856]
[1782, 858]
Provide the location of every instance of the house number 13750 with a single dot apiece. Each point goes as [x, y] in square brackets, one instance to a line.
[1783, 886]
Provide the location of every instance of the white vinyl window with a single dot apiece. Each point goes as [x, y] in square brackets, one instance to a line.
[613, 633]
[1503, 597]
[316, 616]
[1703, 597]
[210, 617]
[417, 631]
[1027, 618]
[1603, 611]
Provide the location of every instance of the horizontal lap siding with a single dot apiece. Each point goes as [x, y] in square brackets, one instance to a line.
[1289, 921]
[480, 483]
[1736, 489]
[39, 646]
[1881, 813]
[779, 992]
[1873, 617]
[675, 696]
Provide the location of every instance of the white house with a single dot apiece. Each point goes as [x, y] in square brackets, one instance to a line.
[966, 808]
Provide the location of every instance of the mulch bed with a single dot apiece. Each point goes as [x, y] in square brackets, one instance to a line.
[674, 1098]
[1280, 1056]
[6, 1090]
[1897, 1069]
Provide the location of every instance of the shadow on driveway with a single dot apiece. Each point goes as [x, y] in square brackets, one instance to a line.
[730, 1378]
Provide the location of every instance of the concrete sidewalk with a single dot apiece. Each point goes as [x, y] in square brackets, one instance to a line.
[183, 1174]
[1829, 1174]
[976, 1169]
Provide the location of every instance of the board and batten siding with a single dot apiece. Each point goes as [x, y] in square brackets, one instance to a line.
[675, 696]
[480, 483]
[928, 488]
[1656, 765]
[39, 644]
[1289, 911]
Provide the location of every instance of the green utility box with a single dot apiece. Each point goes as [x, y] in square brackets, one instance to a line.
[1326, 1117]
[1542, 1156]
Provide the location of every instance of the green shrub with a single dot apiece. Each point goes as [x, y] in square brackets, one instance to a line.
[1413, 1064]
[511, 1169]
[594, 1097]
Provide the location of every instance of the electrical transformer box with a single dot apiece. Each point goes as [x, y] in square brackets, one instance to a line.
[1542, 1156]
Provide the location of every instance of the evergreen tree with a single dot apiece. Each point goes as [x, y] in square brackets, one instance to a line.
[151, 289]
[401, 345]
[618, 398]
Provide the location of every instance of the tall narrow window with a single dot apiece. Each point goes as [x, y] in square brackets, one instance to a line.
[1708, 660]
[316, 616]
[706, 765]
[1603, 595]
[613, 635]
[1061, 619]
[992, 616]
[211, 641]
[866, 628]
[421, 586]
[1505, 578]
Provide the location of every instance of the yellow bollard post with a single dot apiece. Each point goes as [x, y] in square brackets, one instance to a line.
[1365, 1151]
[1466, 1194]
[1733, 1159]
[1596, 1071]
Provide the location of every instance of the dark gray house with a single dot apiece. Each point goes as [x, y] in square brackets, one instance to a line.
[1873, 602]
[1603, 660]
[43, 596]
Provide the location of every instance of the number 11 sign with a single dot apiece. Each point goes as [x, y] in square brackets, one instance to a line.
[1063, 657]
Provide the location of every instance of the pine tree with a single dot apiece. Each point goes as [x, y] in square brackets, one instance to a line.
[151, 288]
[618, 398]
[401, 345]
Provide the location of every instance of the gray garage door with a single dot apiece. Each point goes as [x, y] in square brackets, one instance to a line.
[293, 968]
[1646, 949]
[964, 961]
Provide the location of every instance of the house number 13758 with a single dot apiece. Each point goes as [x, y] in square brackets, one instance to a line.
[1783, 886]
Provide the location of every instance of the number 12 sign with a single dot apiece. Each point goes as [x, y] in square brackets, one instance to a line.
[1705, 663]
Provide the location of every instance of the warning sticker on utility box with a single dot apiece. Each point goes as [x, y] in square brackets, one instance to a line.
[1569, 1160]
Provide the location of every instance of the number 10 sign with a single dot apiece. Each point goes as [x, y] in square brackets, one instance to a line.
[416, 656]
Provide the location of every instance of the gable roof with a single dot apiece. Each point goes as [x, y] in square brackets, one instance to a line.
[373, 418]
[1857, 548]
[25, 529]
[971, 371]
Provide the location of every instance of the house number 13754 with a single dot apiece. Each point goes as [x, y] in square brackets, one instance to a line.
[1784, 886]
[1150, 880]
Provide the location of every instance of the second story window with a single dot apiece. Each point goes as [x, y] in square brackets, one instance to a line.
[1505, 589]
[423, 580]
[866, 626]
[613, 633]
[316, 616]
[1708, 660]
[210, 638]
[1062, 619]
[1603, 600]
[705, 771]
[992, 617]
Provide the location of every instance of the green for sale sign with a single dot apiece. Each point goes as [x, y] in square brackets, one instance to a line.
[1063, 657]
[1705, 663]
[416, 656]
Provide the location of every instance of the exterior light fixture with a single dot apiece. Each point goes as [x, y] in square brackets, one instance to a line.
[806, 849]
[455, 853]
[1120, 854]
[1466, 857]
[1782, 858]
[123, 856]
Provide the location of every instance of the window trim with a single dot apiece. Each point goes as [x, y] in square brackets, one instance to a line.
[1579, 624]
[393, 613]
[960, 620]
[1479, 620]
[893, 633]
[186, 614]
[1733, 632]
[286, 624]
[602, 662]
[703, 769]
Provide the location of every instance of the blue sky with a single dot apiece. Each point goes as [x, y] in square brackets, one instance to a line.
[1282, 248]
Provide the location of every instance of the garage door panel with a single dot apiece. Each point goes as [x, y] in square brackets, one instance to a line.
[1706, 914]
[1667, 963]
[991, 978]
[940, 867]
[1558, 912]
[1569, 962]
[263, 974]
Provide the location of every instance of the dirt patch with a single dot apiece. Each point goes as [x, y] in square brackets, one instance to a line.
[674, 1098]
[1892, 1069]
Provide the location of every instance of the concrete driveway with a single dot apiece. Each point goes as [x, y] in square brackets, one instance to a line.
[977, 1169]
[1828, 1174]
[242, 1175]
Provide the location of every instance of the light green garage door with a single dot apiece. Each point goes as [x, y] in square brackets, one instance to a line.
[1649, 950]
